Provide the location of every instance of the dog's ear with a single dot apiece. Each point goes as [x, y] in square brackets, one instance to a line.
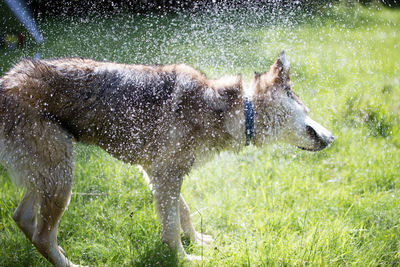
[280, 69]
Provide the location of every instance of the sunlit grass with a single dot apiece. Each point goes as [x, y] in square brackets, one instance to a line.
[270, 206]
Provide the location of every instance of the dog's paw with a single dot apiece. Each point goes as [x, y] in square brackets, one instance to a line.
[70, 264]
[193, 258]
[203, 239]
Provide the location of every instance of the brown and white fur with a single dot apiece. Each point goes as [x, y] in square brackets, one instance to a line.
[160, 117]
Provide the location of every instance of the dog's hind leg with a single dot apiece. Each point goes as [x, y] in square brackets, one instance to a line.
[38, 153]
[53, 176]
[44, 234]
[52, 207]
[42, 157]
[26, 212]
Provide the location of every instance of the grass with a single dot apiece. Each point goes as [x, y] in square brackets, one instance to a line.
[271, 206]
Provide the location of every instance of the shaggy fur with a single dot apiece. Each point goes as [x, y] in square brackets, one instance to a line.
[161, 117]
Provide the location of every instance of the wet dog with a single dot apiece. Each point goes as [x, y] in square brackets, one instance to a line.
[161, 117]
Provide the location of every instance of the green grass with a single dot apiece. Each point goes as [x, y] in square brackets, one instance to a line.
[271, 206]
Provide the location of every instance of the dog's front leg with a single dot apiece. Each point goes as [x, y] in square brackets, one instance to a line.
[184, 216]
[187, 226]
[166, 192]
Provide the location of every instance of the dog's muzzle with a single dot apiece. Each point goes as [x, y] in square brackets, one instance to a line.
[319, 134]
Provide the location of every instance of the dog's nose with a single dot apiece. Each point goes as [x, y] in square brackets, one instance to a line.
[326, 140]
[329, 138]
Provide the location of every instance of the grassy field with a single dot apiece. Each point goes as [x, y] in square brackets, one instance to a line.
[271, 206]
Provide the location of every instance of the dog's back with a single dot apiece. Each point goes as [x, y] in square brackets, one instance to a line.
[129, 110]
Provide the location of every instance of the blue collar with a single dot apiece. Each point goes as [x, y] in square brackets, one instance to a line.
[249, 120]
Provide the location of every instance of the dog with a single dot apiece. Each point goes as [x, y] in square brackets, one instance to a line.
[160, 117]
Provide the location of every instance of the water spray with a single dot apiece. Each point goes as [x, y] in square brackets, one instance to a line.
[21, 11]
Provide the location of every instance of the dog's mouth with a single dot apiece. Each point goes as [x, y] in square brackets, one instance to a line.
[320, 136]
[311, 149]
[322, 143]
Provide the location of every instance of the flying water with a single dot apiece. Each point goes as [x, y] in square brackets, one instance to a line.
[22, 12]
[226, 40]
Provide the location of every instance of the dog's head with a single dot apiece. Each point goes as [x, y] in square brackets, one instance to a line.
[279, 113]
